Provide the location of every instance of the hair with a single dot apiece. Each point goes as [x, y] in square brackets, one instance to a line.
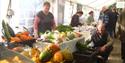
[90, 12]
[46, 3]
[79, 12]
[100, 23]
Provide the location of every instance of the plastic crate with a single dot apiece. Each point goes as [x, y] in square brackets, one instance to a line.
[84, 57]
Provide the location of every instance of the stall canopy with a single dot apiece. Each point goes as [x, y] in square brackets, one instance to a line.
[97, 4]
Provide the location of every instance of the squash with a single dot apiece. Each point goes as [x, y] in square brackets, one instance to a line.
[45, 56]
[53, 48]
[25, 33]
[11, 31]
[23, 37]
[15, 39]
[58, 57]
[5, 31]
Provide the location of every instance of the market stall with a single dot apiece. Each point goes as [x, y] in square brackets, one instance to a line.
[64, 39]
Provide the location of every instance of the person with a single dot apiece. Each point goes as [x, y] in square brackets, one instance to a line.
[43, 21]
[113, 15]
[103, 43]
[90, 19]
[121, 32]
[75, 19]
[104, 16]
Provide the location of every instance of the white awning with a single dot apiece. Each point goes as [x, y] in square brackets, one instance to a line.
[97, 4]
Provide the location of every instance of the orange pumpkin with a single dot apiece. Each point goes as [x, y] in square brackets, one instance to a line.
[15, 39]
[58, 57]
[18, 34]
[25, 33]
[29, 37]
[23, 37]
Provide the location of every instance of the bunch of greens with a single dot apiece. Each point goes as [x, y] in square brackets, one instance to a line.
[64, 28]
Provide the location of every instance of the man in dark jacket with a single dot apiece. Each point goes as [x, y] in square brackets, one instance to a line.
[75, 19]
[102, 41]
[113, 15]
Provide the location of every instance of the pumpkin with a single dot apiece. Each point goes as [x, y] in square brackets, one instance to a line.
[53, 48]
[23, 37]
[18, 34]
[25, 33]
[58, 57]
[29, 37]
[15, 39]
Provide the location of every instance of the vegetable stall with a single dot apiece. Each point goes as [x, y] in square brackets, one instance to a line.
[59, 46]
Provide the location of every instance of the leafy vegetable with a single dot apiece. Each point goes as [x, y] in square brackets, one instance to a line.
[64, 28]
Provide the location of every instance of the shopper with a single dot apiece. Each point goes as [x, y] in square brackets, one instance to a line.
[90, 18]
[75, 19]
[102, 42]
[121, 33]
[113, 15]
[104, 16]
[44, 21]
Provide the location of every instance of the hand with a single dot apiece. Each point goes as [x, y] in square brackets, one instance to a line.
[36, 35]
[102, 49]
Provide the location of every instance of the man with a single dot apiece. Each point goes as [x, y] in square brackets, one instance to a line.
[75, 19]
[102, 41]
[43, 21]
[113, 15]
[90, 19]
[104, 17]
[121, 33]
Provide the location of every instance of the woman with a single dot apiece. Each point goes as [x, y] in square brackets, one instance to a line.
[44, 21]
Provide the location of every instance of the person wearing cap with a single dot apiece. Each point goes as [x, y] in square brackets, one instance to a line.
[44, 21]
[75, 19]
[90, 18]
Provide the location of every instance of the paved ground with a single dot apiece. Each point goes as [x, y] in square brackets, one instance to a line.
[115, 56]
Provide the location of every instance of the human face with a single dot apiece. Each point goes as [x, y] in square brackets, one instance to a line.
[46, 8]
[80, 15]
[101, 29]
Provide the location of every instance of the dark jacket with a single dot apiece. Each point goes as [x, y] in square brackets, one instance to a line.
[101, 40]
[75, 21]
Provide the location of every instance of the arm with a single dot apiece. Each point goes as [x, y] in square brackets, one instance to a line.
[110, 42]
[36, 22]
[53, 24]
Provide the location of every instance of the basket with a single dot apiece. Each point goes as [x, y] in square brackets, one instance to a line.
[84, 57]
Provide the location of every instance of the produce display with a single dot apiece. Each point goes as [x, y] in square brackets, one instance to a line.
[59, 37]
[11, 37]
[53, 52]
